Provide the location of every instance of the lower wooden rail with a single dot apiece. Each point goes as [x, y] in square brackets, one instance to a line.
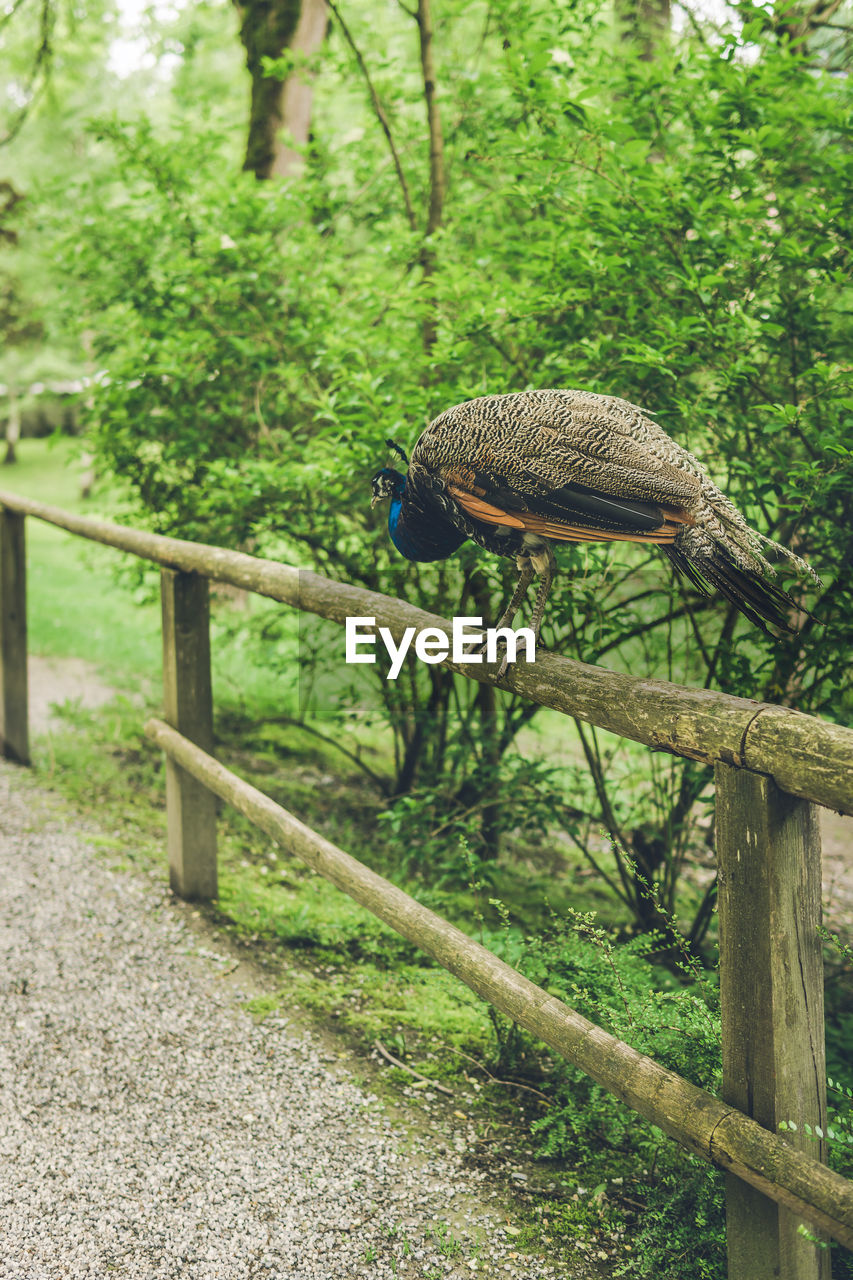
[711, 1129]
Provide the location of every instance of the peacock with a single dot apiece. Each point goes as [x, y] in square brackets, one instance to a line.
[517, 473]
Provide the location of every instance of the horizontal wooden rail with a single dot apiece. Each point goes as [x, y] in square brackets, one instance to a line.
[696, 1119]
[806, 757]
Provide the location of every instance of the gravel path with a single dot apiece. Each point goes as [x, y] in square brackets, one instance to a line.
[148, 1127]
[58, 680]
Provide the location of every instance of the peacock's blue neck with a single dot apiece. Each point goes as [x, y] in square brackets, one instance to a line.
[418, 537]
[394, 516]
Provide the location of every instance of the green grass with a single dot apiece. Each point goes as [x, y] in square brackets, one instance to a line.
[336, 961]
[85, 600]
[77, 605]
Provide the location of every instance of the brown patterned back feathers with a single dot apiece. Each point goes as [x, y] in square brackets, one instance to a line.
[519, 472]
[532, 443]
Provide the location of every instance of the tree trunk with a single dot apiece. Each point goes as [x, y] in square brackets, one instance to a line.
[298, 95]
[645, 23]
[487, 713]
[280, 119]
[797, 23]
[437, 175]
[13, 427]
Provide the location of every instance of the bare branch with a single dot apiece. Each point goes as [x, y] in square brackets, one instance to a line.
[820, 13]
[380, 783]
[512, 1084]
[437, 176]
[42, 58]
[799, 26]
[10, 13]
[395, 1062]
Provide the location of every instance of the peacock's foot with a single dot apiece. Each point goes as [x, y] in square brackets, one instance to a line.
[502, 646]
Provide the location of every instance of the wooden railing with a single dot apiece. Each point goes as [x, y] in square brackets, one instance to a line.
[771, 766]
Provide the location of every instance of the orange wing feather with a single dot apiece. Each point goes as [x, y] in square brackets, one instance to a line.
[563, 531]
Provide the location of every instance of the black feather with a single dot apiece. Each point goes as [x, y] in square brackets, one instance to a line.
[758, 599]
[598, 510]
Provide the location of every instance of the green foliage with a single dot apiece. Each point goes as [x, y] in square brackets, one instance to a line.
[680, 1233]
[436, 832]
[839, 1052]
[271, 898]
[612, 985]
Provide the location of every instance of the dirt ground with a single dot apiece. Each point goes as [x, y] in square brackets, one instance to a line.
[54, 681]
[837, 838]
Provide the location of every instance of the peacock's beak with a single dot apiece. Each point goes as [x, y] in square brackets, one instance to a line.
[375, 499]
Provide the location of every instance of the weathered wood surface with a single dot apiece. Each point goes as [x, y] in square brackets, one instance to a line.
[805, 756]
[188, 707]
[708, 1127]
[771, 997]
[14, 698]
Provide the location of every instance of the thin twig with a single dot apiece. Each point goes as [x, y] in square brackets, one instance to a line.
[380, 115]
[10, 13]
[454, 817]
[381, 783]
[623, 1199]
[697, 27]
[512, 1084]
[43, 55]
[582, 848]
[395, 1062]
[640, 629]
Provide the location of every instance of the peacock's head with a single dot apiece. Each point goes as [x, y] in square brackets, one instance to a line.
[387, 483]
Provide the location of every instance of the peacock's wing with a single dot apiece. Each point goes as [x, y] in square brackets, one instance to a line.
[567, 465]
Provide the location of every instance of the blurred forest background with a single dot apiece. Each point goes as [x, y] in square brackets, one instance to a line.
[241, 246]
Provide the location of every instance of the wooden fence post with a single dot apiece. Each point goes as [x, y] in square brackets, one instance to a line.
[188, 704]
[14, 730]
[771, 994]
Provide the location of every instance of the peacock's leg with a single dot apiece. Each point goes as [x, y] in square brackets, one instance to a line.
[526, 575]
[537, 562]
[546, 566]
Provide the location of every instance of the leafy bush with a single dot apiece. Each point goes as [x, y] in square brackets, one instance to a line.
[672, 1016]
[675, 231]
